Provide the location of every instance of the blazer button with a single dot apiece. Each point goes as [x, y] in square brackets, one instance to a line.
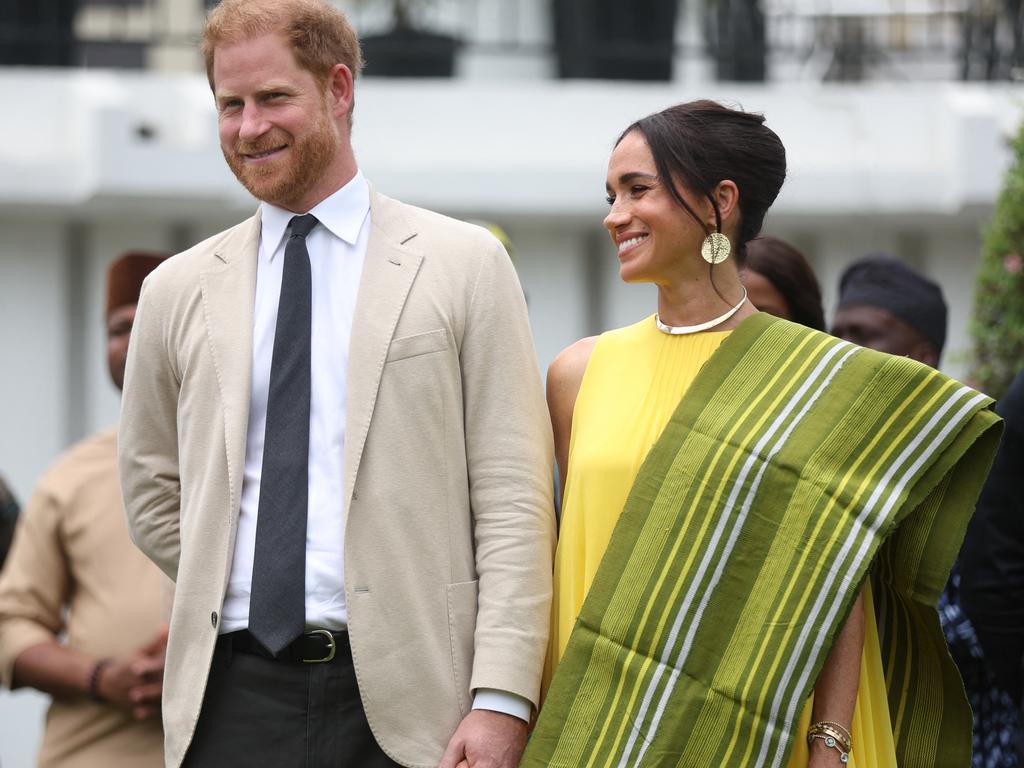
[213, 619]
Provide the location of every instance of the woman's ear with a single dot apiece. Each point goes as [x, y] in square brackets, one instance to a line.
[727, 196]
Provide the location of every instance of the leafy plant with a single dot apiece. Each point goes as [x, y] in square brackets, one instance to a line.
[998, 324]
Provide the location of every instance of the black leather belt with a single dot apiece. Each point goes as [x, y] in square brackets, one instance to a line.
[316, 647]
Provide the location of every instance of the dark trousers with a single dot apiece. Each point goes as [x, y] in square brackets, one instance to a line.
[261, 712]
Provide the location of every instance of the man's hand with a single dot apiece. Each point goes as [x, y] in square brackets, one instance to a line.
[486, 739]
[135, 683]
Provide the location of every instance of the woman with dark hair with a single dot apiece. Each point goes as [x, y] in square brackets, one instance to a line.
[779, 281]
[730, 479]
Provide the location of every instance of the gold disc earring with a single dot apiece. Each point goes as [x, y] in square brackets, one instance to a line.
[715, 248]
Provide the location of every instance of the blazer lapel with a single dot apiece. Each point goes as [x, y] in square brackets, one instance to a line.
[229, 295]
[389, 269]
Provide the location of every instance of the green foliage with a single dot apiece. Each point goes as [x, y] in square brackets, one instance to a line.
[998, 324]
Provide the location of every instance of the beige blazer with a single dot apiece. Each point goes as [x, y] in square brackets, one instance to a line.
[449, 529]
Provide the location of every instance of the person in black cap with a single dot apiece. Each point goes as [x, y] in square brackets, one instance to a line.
[887, 306]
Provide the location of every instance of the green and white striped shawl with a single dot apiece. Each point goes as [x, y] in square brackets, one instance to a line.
[795, 465]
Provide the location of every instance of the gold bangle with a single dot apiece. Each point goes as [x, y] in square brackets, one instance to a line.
[842, 730]
[830, 741]
[840, 734]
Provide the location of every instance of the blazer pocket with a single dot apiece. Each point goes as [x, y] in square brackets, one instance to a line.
[419, 344]
[462, 599]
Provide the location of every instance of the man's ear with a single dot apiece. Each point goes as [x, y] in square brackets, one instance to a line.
[340, 89]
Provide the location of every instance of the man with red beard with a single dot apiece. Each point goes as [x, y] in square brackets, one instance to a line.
[334, 439]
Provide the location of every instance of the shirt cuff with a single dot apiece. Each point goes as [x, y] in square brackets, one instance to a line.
[503, 701]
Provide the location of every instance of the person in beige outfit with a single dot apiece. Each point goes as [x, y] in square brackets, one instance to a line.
[73, 572]
[334, 439]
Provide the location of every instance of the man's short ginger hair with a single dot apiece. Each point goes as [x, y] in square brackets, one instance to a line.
[319, 34]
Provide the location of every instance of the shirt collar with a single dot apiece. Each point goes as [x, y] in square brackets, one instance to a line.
[342, 213]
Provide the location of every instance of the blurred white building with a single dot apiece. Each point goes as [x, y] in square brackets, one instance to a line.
[889, 149]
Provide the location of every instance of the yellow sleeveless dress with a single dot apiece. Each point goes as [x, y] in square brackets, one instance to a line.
[635, 379]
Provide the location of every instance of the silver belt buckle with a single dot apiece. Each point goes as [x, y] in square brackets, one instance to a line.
[331, 647]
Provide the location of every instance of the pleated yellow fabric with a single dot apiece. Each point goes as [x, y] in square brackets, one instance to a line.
[633, 383]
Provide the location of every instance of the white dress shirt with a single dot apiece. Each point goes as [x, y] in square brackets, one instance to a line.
[337, 249]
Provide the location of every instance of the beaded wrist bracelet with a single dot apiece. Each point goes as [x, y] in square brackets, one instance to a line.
[94, 679]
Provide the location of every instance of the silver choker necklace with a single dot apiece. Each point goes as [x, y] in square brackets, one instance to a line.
[681, 330]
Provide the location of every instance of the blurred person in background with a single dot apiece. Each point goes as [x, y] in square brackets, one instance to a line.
[992, 562]
[81, 609]
[8, 519]
[736, 486]
[886, 305]
[780, 281]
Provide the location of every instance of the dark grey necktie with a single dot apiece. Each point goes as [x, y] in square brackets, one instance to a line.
[277, 607]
